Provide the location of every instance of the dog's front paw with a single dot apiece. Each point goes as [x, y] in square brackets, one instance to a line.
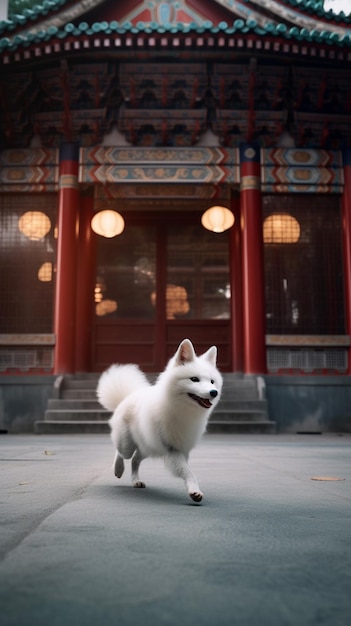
[139, 484]
[196, 496]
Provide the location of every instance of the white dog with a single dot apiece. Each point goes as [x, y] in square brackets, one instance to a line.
[165, 419]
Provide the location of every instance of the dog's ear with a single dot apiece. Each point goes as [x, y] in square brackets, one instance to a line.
[211, 355]
[185, 353]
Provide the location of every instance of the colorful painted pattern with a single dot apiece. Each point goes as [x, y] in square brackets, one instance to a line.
[282, 170]
[28, 170]
[159, 165]
[300, 157]
[29, 157]
[297, 170]
[159, 174]
[170, 156]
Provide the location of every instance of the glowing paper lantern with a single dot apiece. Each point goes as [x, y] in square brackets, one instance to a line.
[45, 272]
[108, 223]
[281, 228]
[217, 219]
[34, 225]
[105, 307]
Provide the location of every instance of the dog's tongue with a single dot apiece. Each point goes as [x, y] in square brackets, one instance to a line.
[204, 402]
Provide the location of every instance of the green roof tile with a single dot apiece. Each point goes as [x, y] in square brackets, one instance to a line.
[239, 25]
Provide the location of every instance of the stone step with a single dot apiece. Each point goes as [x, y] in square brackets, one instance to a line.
[227, 395]
[82, 414]
[80, 383]
[78, 415]
[241, 404]
[236, 406]
[90, 381]
[78, 394]
[248, 427]
[233, 385]
[74, 404]
[71, 427]
[75, 408]
[238, 415]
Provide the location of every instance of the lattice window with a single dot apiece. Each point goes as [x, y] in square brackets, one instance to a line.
[26, 359]
[26, 290]
[304, 277]
[308, 360]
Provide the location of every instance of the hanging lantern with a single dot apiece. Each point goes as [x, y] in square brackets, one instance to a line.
[176, 301]
[45, 272]
[217, 219]
[105, 307]
[34, 225]
[108, 223]
[281, 228]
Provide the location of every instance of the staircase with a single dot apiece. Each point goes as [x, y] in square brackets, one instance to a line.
[74, 408]
[243, 407]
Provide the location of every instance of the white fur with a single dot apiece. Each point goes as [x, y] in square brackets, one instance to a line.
[161, 420]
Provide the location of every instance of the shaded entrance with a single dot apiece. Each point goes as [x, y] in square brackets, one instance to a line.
[164, 278]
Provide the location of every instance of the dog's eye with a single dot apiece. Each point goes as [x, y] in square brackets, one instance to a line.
[195, 379]
[212, 382]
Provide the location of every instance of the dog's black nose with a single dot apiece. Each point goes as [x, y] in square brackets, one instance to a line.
[213, 393]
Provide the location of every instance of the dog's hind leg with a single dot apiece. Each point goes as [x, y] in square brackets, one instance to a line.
[118, 465]
[177, 464]
[125, 449]
[136, 460]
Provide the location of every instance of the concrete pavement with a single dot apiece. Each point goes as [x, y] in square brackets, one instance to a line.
[267, 547]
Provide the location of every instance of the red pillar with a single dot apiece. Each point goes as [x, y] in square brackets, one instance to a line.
[65, 300]
[85, 286]
[236, 290]
[346, 224]
[254, 325]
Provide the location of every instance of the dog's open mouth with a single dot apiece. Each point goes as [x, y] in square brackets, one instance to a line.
[203, 402]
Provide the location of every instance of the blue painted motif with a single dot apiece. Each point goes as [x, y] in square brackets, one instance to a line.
[164, 13]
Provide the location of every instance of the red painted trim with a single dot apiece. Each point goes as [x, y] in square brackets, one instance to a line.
[69, 167]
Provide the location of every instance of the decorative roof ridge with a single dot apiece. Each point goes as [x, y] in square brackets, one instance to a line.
[238, 7]
[248, 26]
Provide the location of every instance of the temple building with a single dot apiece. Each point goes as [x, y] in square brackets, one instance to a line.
[177, 169]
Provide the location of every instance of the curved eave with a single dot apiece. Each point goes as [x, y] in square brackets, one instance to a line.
[316, 8]
[114, 36]
[303, 13]
[48, 13]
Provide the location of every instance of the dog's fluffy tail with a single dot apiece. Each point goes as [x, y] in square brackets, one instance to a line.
[117, 383]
